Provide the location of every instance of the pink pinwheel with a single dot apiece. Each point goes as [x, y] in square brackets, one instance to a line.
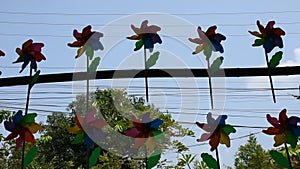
[22, 127]
[30, 52]
[88, 123]
[146, 36]
[218, 131]
[285, 129]
[86, 39]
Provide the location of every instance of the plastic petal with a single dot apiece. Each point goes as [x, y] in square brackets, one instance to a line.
[34, 127]
[156, 123]
[214, 141]
[273, 121]
[279, 139]
[224, 139]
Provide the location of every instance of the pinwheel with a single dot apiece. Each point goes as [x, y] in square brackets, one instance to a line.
[88, 123]
[217, 133]
[269, 38]
[208, 42]
[22, 128]
[285, 130]
[146, 36]
[30, 53]
[1, 54]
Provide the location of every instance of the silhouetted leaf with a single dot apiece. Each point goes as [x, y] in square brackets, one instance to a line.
[94, 65]
[30, 156]
[34, 79]
[152, 60]
[275, 59]
[154, 159]
[139, 44]
[215, 66]
[94, 157]
[281, 160]
[210, 161]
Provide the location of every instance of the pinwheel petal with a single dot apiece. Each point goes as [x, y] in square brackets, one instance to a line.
[39, 57]
[217, 47]
[27, 44]
[136, 30]
[146, 118]
[278, 31]
[218, 37]
[204, 137]
[214, 141]
[9, 126]
[195, 40]
[76, 44]
[277, 41]
[36, 47]
[221, 119]
[273, 121]
[138, 142]
[296, 131]
[89, 117]
[156, 123]
[2, 53]
[86, 32]
[144, 26]
[211, 31]
[77, 35]
[99, 123]
[75, 129]
[293, 120]
[282, 116]
[224, 139]
[279, 139]
[273, 131]
[155, 38]
[29, 137]
[133, 132]
[153, 29]
[270, 25]
[19, 51]
[150, 144]
[19, 142]
[255, 33]
[34, 127]
[89, 142]
[261, 28]
[12, 135]
[210, 120]
[198, 49]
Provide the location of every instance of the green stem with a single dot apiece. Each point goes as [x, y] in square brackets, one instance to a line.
[288, 155]
[87, 102]
[26, 111]
[146, 75]
[218, 160]
[210, 84]
[270, 77]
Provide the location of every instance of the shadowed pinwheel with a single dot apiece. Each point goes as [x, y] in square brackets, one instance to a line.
[30, 52]
[22, 128]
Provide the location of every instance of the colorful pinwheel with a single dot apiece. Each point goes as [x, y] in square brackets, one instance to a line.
[285, 129]
[22, 127]
[30, 52]
[88, 123]
[269, 38]
[218, 131]
[207, 42]
[2, 53]
[144, 130]
[146, 36]
[88, 40]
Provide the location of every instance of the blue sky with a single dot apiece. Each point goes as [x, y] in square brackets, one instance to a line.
[52, 23]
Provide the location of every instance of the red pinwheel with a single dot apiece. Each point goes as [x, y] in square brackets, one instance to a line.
[270, 37]
[2, 53]
[218, 131]
[146, 36]
[143, 129]
[30, 52]
[88, 123]
[285, 129]
[22, 127]
[86, 39]
[208, 41]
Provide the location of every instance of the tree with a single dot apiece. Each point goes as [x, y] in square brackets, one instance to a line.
[251, 155]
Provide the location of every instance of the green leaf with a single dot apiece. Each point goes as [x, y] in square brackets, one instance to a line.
[209, 160]
[275, 59]
[139, 44]
[78, 138]
[158, 135]
[258, 42]
[89, 51]
[29, 118]
[30, 156]
[228, 129]
[94, 157]
[281, 160]
[154, 158]
[215, 66]
[152, 60]
[94, 65]
[34, 79]
[207, 51]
